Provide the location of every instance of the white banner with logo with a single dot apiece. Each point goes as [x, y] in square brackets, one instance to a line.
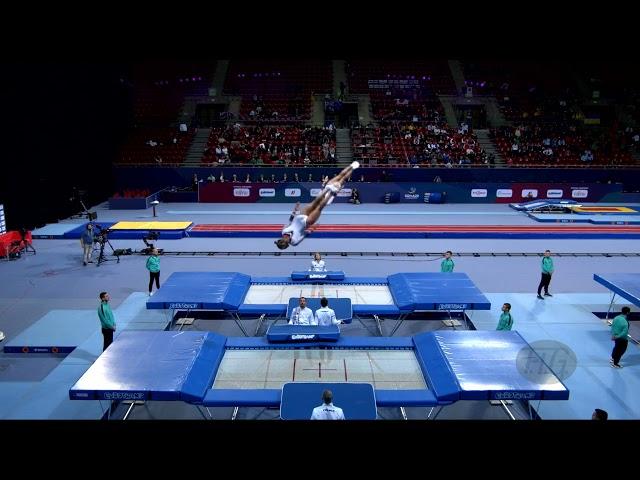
[579, 193]
[241, 192]
[479, 193]
[555, 193]
[267, 192]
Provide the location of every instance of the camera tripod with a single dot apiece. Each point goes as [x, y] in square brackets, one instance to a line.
[102, 257]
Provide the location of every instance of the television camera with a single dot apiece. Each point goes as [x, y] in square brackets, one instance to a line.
[102, 238]
[150, 237]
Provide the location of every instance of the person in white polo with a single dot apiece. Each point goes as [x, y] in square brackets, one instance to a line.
[302, 315]
[327, 411]
[326, 316]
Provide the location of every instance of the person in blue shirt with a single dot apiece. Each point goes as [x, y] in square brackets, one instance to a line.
[619, 334]
[86, 241]
[547, 271]
[447, 264]
[506, 320]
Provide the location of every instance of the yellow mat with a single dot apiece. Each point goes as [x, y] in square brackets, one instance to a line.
[604, 209]
[150, 225]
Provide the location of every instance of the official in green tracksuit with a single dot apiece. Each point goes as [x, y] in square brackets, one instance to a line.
[506, 320]
[547, 271]
[447, 264]
[107, 320]
[153, 265]
[619, 334]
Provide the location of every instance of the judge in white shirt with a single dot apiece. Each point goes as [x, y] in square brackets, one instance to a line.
[317, 264]
[302, 315]
[327, 411]
[325, 316]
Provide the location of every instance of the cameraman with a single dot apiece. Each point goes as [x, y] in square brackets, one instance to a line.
[86, 241]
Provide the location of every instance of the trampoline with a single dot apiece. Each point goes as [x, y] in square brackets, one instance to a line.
[626, 285]
[429, 369]
[397, 296]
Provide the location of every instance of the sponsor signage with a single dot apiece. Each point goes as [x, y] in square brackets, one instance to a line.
[292, 192]
[527, 191]
[554, 193]
[241, 192]
[190, 306]
[302, 337]
[267, 192]
[412, 194]
[124, 395]
[479, 193]
[452, 306]
[514, 395]
[504, 193]
[314, 192]
[579, 193]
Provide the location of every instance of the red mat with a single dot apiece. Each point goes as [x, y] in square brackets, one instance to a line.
[586, 229]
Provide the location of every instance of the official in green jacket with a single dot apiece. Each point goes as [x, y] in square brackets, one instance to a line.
[153, 265]
[107, 320]
[547, 271]
[619, 334]
[447, 264]
[506, 320]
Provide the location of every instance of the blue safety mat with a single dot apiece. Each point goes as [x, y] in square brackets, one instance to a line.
[585, 218]
[77, 232]
[201, 291]
[498, 366]
[436, 291]
[341, 306]
[144, 365]
[59, 331]
[357, 400]
[627, 285]
[56, 230]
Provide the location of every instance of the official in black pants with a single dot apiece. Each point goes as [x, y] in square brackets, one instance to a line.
[547, 271]
[153, 265]
[107, 334]
[619, 334]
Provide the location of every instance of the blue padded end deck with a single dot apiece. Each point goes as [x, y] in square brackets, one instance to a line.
[201, 375]
[490, 365]
[435, 368]
[627, 285]
[436, 291]
[202, 290]
[141, 365]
